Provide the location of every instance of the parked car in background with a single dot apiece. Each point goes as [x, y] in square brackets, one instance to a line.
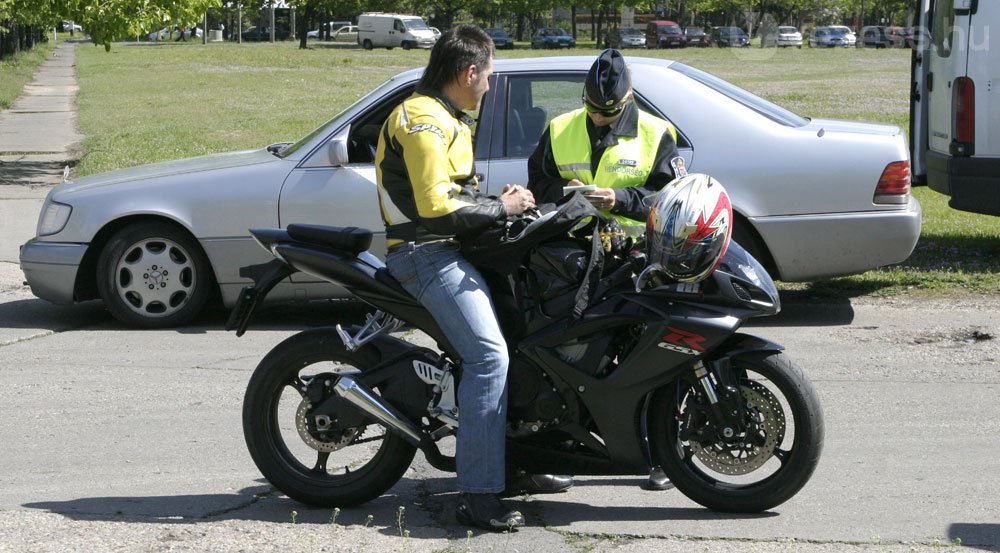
[263, 34]
[436, 31]
[552, 37]
[501, 40]
[626, 37]
[67, 26]
[346, 34]
[874, 36]
[664, 34]
[831, 37]
[696, 36]
[729, 37]
[176, 33]
[333, 26]
[848, 34]
[788, 37]
[156, 242]
[897, 36]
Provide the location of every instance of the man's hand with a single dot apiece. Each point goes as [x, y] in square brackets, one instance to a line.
[517, 199]
[603, 198]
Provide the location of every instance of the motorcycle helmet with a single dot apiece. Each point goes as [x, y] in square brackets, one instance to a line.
[689, 226]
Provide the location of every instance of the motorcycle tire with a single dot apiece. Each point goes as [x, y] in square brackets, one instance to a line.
[271, 446]
[723, 482]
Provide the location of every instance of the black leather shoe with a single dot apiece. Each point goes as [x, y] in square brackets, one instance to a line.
[657, 481]
[485, 510]
[524, 483]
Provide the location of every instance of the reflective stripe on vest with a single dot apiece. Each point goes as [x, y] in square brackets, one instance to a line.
[625, 164]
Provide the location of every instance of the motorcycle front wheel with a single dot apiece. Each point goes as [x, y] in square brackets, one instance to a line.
[753, 470]
[318, 459]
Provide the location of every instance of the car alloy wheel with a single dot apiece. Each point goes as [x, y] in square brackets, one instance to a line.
[153, 275]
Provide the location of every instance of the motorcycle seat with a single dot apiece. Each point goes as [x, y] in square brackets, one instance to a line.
[353, 240]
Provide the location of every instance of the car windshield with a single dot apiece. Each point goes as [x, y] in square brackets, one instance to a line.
[694, 31]
[839, 31]
[787, 30]
[670, 29]
[773, 112]
[554, 32]
[631, 32]
[415, 24]
[499, 33]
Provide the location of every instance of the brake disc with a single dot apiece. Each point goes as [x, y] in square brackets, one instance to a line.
[764, 417]
[315, 442]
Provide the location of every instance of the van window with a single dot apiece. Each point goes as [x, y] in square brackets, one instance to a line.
[943, 27]
[398, 25]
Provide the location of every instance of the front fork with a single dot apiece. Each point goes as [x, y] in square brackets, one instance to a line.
[722, 394]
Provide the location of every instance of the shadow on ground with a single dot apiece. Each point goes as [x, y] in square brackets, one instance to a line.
[30, 173]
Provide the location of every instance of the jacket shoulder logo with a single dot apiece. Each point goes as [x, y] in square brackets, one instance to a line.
[420, 127]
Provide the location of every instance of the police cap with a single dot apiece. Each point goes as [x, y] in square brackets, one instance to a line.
[608, 82]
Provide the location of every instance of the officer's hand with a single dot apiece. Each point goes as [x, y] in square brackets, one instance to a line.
[517, 199]
[603, 198]
[575, 182]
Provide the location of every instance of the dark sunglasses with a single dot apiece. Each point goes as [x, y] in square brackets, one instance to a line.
[610, 112]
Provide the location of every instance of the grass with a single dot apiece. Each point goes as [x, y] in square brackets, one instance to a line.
[143, 103]
[18, 70]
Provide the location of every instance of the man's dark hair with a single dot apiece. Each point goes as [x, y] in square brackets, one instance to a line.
[454, 52]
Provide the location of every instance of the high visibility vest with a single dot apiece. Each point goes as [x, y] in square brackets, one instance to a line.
[625, 164]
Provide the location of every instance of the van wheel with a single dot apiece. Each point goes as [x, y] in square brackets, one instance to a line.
[367, 44]
[406, 45]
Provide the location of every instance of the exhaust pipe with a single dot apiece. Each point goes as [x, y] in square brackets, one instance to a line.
[361, 397]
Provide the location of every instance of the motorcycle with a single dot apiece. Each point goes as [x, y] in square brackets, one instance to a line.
[651, 373]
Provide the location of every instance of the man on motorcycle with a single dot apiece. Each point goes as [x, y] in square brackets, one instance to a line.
[429, 197]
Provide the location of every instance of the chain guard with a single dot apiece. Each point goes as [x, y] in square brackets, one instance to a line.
[765, 416]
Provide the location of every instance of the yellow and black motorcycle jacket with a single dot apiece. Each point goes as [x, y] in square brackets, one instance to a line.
[426, 174]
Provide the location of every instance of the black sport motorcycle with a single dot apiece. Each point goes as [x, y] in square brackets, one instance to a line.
[651, 373]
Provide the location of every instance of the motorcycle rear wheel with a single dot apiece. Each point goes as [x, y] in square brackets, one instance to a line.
[320, 471]
[746, 477]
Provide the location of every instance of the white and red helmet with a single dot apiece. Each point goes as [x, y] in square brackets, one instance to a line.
[689, 227]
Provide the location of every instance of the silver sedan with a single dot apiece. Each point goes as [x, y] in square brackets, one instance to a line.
[813, 198]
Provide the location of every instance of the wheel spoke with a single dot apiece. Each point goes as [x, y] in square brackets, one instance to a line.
[297, 385]
[321, 458]
[782, 454]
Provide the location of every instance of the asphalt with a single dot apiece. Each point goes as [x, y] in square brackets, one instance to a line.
[130, 440]
[38, 134]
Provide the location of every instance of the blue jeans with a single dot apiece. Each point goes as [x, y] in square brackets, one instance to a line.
[456, 295]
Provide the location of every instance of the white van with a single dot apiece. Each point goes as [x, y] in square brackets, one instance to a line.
[955, 102]
[388, 30]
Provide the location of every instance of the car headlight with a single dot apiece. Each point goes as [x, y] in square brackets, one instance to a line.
[54, 218]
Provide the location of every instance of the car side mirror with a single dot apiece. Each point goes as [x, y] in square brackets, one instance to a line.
[337, 151]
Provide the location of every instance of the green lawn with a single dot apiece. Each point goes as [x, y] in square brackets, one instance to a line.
[143, 103]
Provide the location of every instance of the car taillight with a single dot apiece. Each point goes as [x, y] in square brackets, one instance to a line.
[963, 103]
[894, 185]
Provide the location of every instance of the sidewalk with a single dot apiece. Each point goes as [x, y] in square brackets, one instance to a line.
[38, 135]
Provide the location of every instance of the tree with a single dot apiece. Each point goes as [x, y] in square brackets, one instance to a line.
[109, 20]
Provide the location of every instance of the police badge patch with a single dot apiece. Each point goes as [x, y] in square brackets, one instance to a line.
[678, 164]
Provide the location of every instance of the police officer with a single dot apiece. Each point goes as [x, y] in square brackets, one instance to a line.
[609, 142]
[429, 196]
